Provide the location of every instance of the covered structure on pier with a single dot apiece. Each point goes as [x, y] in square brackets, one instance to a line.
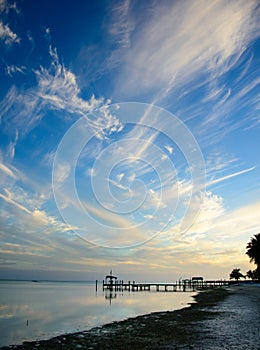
[110, 278]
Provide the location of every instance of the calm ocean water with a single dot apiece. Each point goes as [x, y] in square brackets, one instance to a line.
[53, 308]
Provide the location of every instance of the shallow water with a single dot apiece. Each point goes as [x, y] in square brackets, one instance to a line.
[30, 311]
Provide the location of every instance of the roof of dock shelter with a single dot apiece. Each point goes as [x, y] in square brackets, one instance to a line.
[111, 277]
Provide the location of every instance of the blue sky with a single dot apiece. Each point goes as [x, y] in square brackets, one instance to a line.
[129, 138]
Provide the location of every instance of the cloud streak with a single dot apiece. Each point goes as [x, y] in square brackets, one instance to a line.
[11, 201]
[230, 176]
[185, 38]
[7, 171]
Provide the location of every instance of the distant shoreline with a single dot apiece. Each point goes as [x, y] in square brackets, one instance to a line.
[43, 281]
[187, 328]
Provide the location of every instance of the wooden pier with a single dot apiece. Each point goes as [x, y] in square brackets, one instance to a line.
[181, 286]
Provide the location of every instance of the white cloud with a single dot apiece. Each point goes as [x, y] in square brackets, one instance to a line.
[10, 152]
[112, 229]
[6, 6]
[217, 227]
[40, 217]
[119, 185]
[211, 208]
[218, 161]
[48, 34]
[217, 240]
[90, 172]
[3, 5]
[131, 177]
[148, 216]
[62, 172]
[120, 176]
[169, 148]
[239, 223]
[7, 35]
[20, 210]
[21, 191]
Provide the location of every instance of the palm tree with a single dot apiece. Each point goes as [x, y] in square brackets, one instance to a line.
[250, 274]
[253, 275]
[253, 251]
[236, 274]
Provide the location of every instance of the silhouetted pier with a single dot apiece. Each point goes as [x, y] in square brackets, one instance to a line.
[181, 286]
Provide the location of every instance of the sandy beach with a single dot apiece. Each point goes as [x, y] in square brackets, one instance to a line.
[227, 318]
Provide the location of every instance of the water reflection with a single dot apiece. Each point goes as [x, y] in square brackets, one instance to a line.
[56, 308]
[109, 295]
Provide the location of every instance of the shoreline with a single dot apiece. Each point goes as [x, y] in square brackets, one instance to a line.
[192, 327]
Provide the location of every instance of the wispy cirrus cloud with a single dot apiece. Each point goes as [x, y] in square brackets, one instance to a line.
[185, 38]
[56, 89]
[121, 23]
[12, 69]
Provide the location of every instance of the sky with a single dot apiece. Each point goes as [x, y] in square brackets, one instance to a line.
[129, 138]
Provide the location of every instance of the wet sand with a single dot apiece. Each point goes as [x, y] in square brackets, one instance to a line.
[220, 319]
